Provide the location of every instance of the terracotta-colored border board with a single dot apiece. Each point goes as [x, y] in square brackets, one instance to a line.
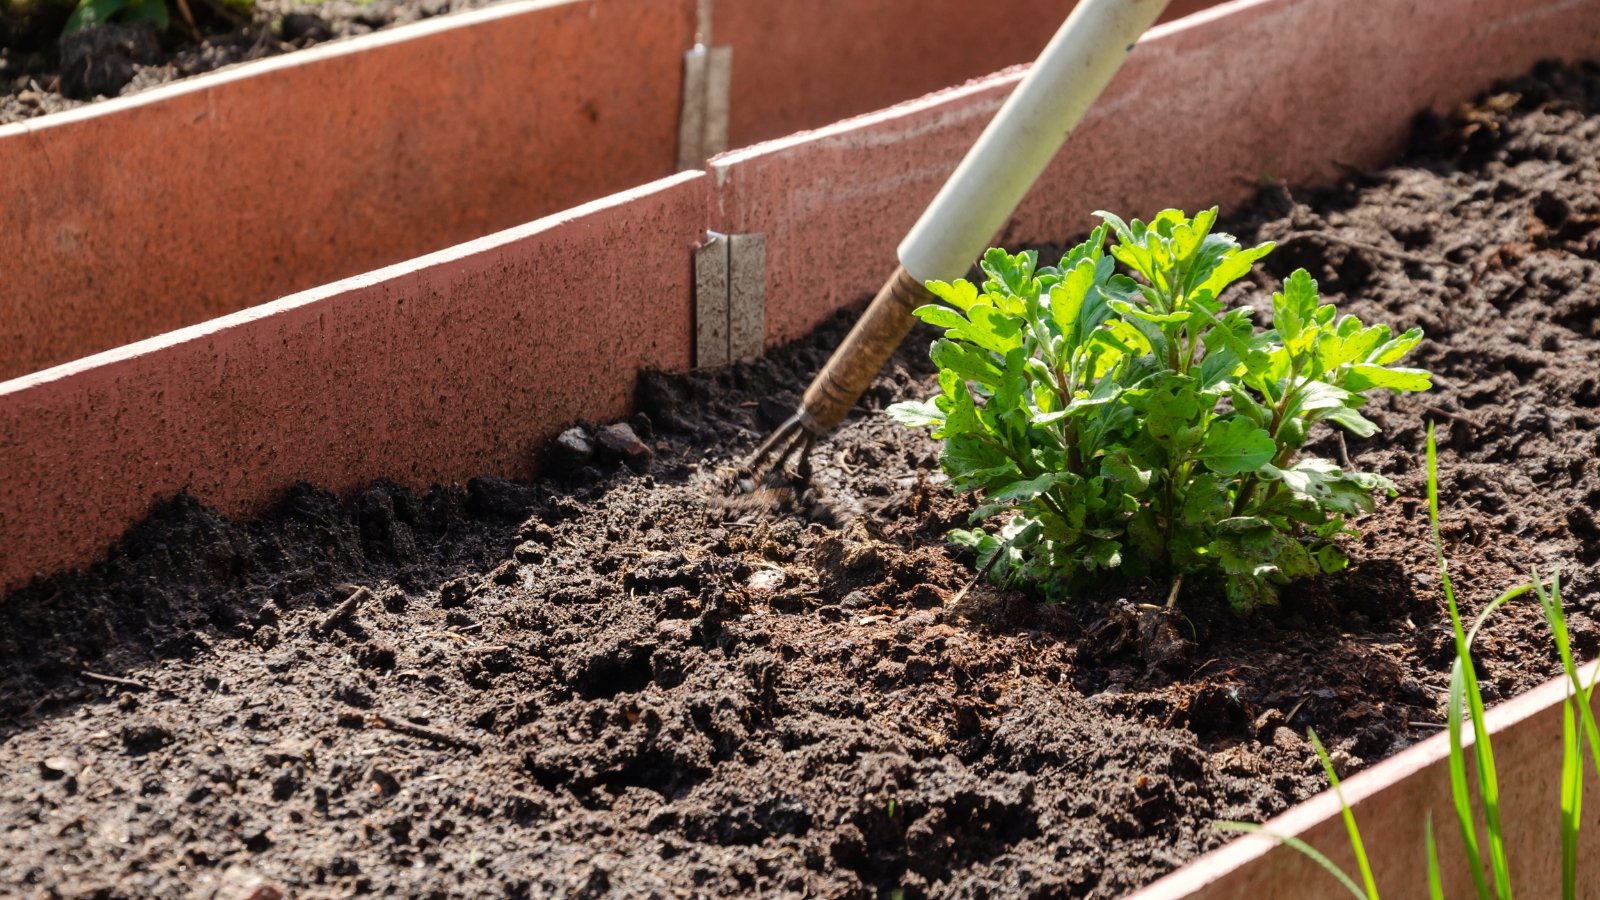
[426, 372]
[1392, 801]
[459, 362]
[803, 65]
[1203, 110]
[159, 210]
[128, 218]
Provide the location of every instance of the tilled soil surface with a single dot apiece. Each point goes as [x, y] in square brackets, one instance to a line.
[613, 681]
[38, 75]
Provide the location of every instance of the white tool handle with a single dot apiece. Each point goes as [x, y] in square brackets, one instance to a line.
[1024, 135]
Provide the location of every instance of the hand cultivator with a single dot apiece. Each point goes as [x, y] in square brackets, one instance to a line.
[972, 206]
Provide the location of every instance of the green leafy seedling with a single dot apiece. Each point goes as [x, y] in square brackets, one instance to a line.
[1114, 416]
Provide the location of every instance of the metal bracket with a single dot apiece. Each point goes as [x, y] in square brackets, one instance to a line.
[703, 121]
[730, 304]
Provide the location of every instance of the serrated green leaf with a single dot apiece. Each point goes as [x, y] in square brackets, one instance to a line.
[967, 362]
[1205, 500]
[1295, 561]
[1123, 232]
[1067, 299]
[976, 462]
[916, 413]
[1091, 249]
[1364, 376]
[1231, 268]
[1295, 306]
[1393, 350]
[1246, 404]
[1028, 489]
[1113, 342]
[1326, 485]
[991, 330]
[1103, 554]
[1331, 559]
[1234, 445]
[1011, 279]
[1354, 344]
[1079, 406]
[940, 316]
[983, 326]
[1119, 465]
[1172, 417]
[1315, 396]
[1352, 421]
[961, 414]
[961, 294]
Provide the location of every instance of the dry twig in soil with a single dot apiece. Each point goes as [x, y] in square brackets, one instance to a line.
[344, 610]
[428, 734]
[112, 679]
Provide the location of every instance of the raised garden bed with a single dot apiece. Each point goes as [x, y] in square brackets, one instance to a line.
[245, 185]
[793, 72]
[241, 186]
[610, 679]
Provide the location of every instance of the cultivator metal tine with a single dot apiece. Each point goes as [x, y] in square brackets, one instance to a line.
[980, 195]
[792, 439]
[842, 381]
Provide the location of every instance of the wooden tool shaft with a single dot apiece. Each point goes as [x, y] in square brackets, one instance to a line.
[864, 351]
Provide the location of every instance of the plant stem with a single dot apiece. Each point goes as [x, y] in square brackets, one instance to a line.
[1245, 491]
[1248, 487]
[1066, 388]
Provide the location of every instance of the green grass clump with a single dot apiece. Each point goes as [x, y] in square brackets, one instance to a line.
[1466, 707]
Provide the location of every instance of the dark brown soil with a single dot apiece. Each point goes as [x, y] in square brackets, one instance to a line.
[40, 75]
[592, 684]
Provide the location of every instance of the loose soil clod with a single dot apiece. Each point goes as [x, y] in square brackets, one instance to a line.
[666, 701]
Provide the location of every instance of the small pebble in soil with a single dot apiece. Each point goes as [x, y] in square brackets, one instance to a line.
[619, 443]
[856, 600]
[765, 581]
[58, 767]
[570, 451]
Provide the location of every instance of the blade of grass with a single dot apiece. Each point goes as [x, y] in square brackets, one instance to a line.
[1499, 601]
[1313, 853]
[1576, 708]
[1571, 799]
[1488, 779]
[1435, 883]
[1550, 602]
[1460, 795]
[1356, 845]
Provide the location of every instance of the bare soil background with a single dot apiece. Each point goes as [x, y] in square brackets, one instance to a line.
[614, 681]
